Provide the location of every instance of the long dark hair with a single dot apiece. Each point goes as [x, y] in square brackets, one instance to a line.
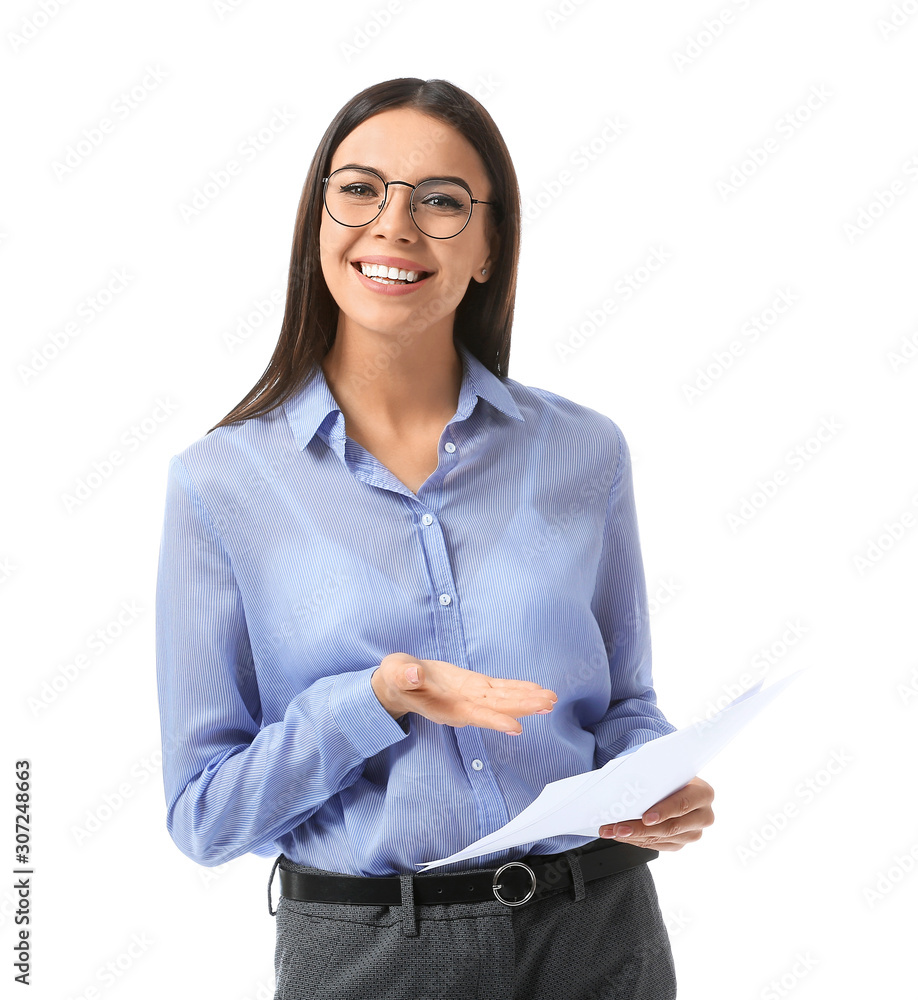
[485, 314]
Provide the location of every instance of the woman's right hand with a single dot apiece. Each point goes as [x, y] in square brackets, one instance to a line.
[454, 696]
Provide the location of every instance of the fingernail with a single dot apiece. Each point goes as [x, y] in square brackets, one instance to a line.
[412, 673]
[652, 818]
[623, 831]
[543, 711]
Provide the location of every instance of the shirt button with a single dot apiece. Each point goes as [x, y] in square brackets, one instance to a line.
[445, 599]
[450, 447]
[477, 765]
[427, 519]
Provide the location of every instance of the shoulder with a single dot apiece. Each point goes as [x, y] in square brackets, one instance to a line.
[566, 422]
[220, 463]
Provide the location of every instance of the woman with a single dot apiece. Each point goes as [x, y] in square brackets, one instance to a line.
[379, 562]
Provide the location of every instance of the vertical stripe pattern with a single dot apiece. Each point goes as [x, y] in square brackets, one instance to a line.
[292, 562]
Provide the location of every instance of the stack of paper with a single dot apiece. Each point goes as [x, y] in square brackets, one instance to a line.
[627, 786]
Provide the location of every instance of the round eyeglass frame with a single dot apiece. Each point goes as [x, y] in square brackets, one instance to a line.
[385, 200]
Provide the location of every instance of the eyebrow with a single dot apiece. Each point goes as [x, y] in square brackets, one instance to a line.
[439, 177]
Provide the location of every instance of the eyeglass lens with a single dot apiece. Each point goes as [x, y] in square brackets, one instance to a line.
[354, 197]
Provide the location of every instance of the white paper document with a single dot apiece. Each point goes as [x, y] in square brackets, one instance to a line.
[626, 786]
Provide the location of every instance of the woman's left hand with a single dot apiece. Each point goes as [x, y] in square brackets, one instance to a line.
[670, 824]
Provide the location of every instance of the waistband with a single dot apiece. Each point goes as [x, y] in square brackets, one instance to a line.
[512, 883]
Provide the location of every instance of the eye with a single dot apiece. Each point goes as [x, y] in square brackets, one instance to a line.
[441, 201]
[358, 190]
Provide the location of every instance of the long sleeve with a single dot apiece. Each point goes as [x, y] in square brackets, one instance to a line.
[232, 784]
[621, 609]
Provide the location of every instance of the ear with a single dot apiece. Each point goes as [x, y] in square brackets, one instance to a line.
[494, 240]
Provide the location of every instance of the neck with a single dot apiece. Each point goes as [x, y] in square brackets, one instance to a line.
[417, 388]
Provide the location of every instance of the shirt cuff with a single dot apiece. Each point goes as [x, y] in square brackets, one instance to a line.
[359, 714]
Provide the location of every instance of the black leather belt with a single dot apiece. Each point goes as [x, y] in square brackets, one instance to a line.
[513, 883]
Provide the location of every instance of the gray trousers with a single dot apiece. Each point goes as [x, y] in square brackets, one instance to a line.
[594, 940]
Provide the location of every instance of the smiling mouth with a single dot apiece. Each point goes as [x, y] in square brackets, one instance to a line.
[389, 275]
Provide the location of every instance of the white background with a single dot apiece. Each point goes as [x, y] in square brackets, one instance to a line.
[821, 574]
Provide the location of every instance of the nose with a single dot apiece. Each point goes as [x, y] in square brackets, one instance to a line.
[395, 221]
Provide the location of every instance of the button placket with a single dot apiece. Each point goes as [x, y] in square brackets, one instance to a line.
[492, 808]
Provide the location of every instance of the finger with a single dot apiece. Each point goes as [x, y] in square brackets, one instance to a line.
[682, 829]
[525, 691]
[682, 801]
[674, 843]
[509, 682]
[485, 718]
[511, 702]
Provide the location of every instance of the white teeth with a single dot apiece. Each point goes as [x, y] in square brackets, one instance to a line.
[387, 274]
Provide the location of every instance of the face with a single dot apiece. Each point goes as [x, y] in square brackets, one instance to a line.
[402, 144]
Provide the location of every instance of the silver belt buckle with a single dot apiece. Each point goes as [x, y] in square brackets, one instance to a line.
[495, 885]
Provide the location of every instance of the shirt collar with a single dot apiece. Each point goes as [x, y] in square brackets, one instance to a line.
[308, 408]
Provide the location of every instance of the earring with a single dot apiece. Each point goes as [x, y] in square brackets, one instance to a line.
[484, 270]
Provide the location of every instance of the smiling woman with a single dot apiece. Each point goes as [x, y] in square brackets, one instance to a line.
[362, 589]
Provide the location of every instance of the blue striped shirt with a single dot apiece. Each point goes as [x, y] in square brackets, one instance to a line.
[292, 561]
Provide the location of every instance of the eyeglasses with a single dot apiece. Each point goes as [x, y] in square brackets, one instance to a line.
[441, 209]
